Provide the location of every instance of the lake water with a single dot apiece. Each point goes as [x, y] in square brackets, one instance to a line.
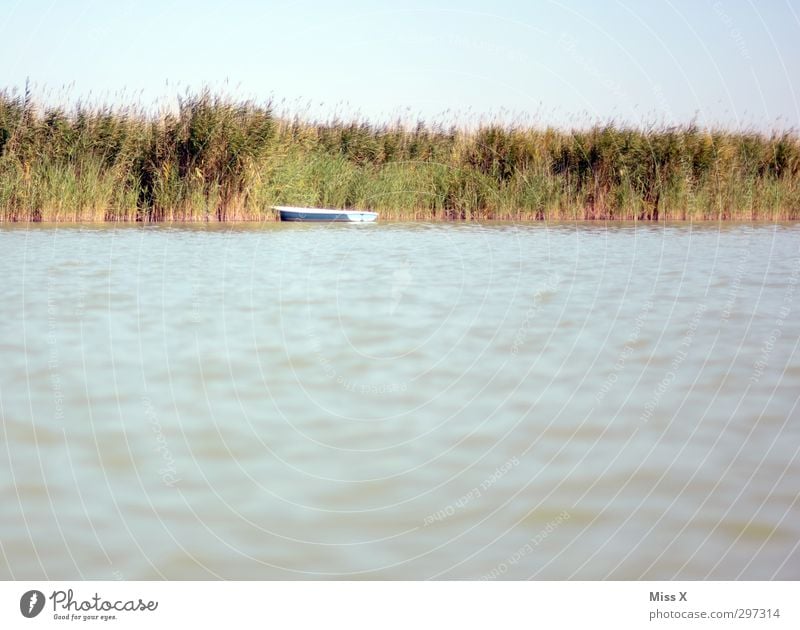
[400, 401]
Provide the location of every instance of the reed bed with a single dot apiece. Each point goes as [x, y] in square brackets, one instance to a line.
[216, 159]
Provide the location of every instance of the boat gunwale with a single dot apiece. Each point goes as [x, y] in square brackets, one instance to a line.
[332, 211]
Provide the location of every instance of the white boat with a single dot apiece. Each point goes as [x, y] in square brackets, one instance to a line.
[289, 213]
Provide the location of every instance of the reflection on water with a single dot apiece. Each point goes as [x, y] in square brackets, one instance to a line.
[400, 401]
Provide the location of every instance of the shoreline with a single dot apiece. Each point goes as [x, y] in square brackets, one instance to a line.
[222, 160]
[758, 222]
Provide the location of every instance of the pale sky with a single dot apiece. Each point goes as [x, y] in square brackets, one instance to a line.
[721, 62]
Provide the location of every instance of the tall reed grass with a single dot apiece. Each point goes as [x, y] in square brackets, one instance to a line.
[216, 159]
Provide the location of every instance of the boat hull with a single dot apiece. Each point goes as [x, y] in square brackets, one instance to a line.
[321, 214]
